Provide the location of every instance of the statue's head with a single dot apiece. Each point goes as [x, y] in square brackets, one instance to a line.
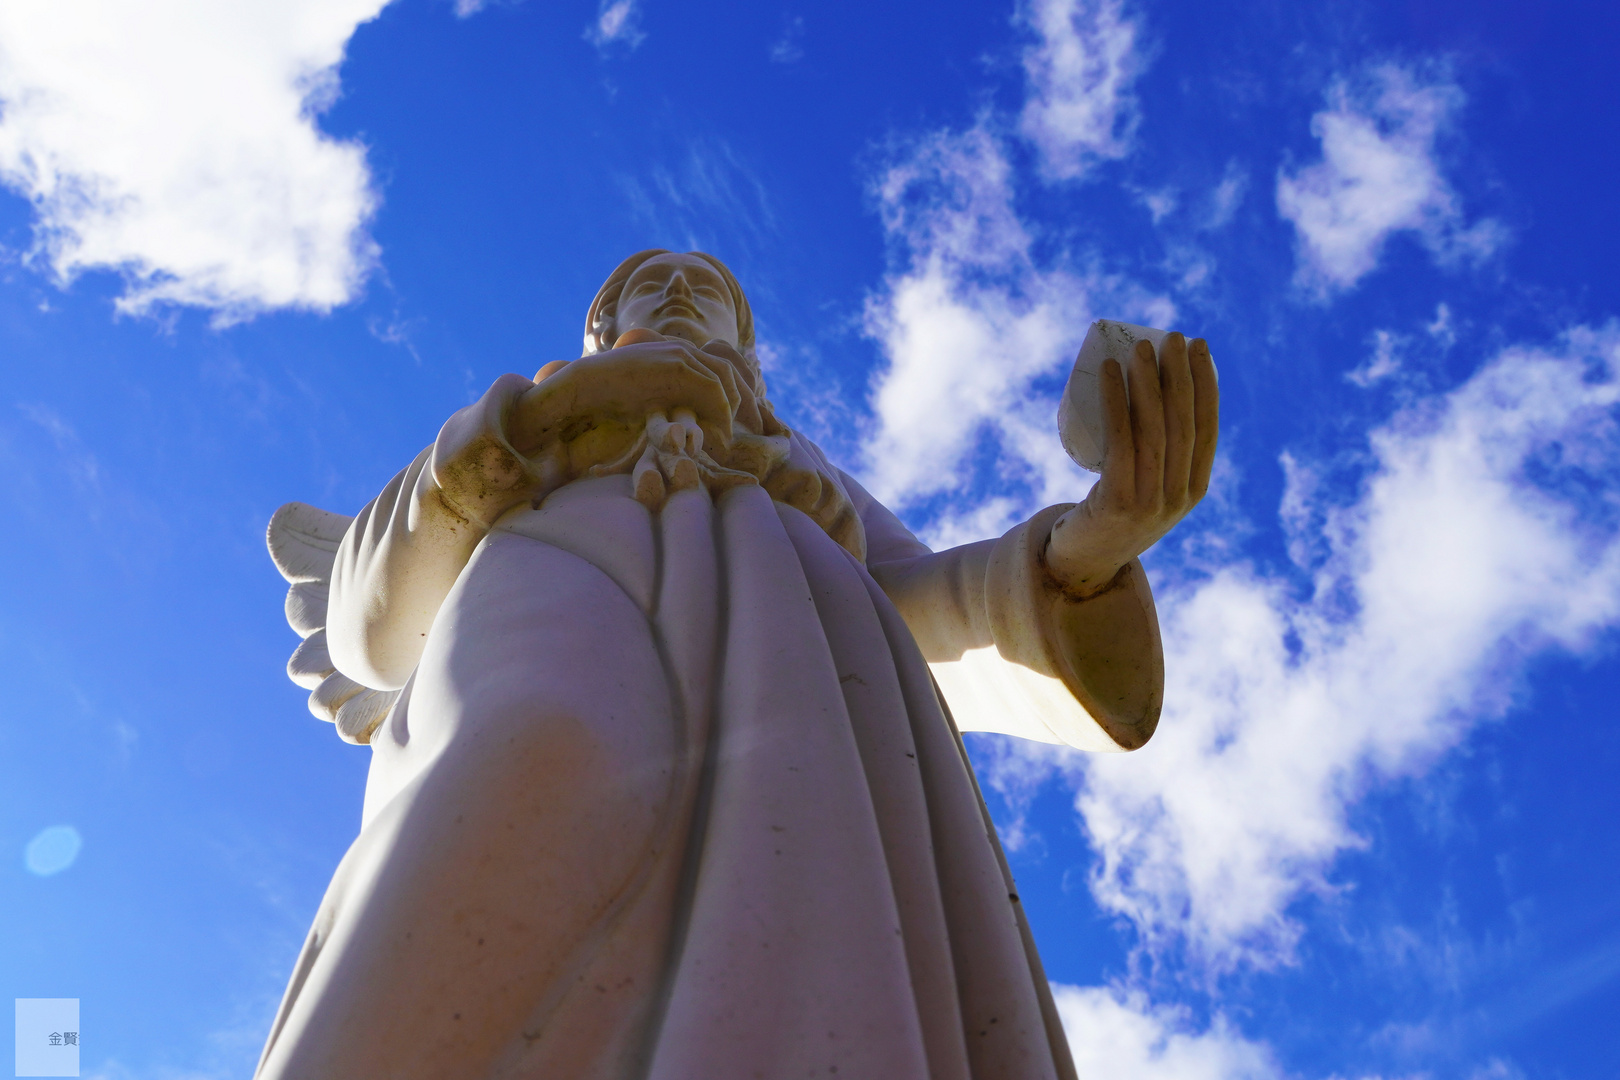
[691, 296]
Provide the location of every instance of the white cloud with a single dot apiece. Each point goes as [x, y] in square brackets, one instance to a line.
[1115, 1032]
[174, 141]
[1431, 589]
[968, 325]
[1079, 109]
[1118, 1031]
[1378, 176]
[618, 22]
[977, 332]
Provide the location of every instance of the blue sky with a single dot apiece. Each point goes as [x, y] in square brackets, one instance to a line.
[257, 253]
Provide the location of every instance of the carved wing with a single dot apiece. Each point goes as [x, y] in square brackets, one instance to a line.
[303, 544]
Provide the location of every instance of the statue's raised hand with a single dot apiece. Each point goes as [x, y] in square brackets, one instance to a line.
[1161, 447]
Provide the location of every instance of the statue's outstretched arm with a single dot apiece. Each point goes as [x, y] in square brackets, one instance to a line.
[1013, 650]
[1063, 596]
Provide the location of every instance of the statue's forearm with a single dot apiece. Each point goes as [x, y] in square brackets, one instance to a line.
[402, 555]
[941, 597]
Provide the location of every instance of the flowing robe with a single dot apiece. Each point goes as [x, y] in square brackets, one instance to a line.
[672, 795]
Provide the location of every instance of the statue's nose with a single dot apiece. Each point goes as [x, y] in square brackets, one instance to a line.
[678, 286]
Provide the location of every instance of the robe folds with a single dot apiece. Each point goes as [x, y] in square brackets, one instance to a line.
[672, 796]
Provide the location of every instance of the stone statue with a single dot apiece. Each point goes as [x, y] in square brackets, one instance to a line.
[662, 786]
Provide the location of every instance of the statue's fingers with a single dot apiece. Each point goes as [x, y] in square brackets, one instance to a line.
[713, 399]
[1175, 383]
[726, 350]
[677, 363]
[1147, 425]
[625, 384]
[687, 432]
[710, 402]
[1119, 452]
[1206, 417]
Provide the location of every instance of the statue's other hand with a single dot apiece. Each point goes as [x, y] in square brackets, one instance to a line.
[622, 387]
[1161, 447]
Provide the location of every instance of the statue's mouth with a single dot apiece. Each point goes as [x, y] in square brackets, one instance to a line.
[675, 308]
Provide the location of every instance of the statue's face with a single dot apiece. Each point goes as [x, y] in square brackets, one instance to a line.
[678, 296]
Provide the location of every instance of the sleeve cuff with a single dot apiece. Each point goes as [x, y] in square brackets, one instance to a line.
[1105, 649]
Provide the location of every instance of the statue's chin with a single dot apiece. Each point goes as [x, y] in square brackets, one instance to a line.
[689, 330]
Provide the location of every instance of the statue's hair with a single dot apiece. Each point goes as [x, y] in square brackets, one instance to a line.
[601, 323]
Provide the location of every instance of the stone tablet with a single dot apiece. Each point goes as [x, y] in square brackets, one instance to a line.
[1080, 414]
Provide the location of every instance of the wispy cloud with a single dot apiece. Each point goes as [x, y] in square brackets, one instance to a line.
[1555, 985]
[466, 9]
[1227, 196]
[1475, 542]
[709, 198]
[618, 22]
[1379, 175]
[175, 143]
[789, 48]
[72, 456]
[1079, 109]
[1384, 361]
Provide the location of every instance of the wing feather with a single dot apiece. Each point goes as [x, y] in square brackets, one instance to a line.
[310, 663]
[362, 714]
[303, 543]
[306, 607]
